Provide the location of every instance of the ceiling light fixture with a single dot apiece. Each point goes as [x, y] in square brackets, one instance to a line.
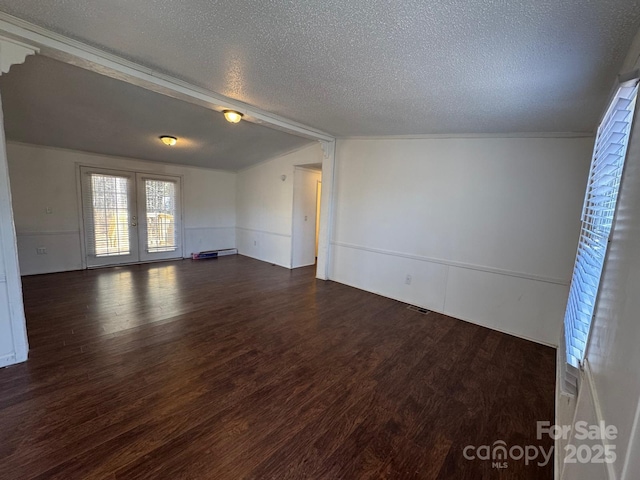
[232, 116]
[169, 141]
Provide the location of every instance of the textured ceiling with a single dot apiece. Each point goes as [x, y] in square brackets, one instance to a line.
[51, 103]
[370, 67]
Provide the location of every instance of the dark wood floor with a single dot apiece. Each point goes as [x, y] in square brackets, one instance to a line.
[233, 368]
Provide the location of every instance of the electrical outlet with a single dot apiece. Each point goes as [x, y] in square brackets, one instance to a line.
[305, 218]
[41, 251]
[408, 280]
[255, 243]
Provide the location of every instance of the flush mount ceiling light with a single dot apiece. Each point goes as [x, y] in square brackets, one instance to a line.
[232, 116]
[169, 141]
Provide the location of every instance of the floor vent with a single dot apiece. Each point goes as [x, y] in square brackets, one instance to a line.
[419, 309]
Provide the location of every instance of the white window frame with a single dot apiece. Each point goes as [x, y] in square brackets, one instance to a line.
[577, 324]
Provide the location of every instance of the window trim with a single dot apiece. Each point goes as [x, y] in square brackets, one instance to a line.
[570, 375]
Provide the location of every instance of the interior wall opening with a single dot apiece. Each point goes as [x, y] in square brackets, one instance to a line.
[307, 195]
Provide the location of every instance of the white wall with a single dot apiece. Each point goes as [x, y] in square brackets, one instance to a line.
[265, 206]
[46, 177]
[610, 387]
[305, 209]
[486, 227]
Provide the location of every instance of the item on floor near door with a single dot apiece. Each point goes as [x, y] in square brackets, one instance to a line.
[213, 254]
[418, 309]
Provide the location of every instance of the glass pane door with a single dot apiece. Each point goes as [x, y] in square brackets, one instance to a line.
[160, 230]
[110, 217]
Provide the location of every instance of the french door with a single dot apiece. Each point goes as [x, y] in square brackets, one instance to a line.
[130, 217]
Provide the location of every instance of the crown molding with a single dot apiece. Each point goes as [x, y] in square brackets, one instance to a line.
[440, 136]
[13, 52]
[71, 51]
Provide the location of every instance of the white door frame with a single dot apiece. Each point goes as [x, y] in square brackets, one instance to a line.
[136, 175]
[295, 212]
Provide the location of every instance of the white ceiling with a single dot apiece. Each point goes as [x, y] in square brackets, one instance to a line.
[373, 67]
[50, 103]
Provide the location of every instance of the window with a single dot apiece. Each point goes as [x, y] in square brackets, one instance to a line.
[161, 213]
[110, 214]
[597, 220]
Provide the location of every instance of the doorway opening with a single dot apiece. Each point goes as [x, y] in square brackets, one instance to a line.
[307, 195]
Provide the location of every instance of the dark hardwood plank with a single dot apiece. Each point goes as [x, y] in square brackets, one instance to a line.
[234, 368]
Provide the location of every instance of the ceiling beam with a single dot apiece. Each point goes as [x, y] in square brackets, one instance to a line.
[71, 51]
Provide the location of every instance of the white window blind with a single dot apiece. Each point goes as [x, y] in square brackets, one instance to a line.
[597, 219]
[160, 197]
[106, 203]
